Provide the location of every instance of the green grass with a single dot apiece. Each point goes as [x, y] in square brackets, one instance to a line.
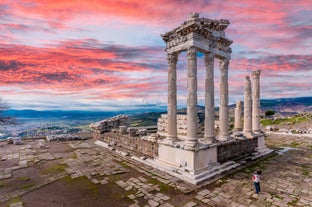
[305, 170]
[92, 187]
[23, 179]
[58, 168]
[294, 144]
[290, 120]
[14, 200]
[1, 184]
[163, 187]
[293, 202]
[27, 186]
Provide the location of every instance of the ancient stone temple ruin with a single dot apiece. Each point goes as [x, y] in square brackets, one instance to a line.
[180, 147]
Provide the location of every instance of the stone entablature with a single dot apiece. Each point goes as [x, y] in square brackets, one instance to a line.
[206, 34]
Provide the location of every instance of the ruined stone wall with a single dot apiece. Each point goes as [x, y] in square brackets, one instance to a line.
[142, 145]
[162, 124]
[235, 149]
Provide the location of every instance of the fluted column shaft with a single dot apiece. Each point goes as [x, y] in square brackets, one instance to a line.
[172, 96]
[224, 101]
[256, 102]
[192, 97]
[247, 107]
[238, 116]
[209, 98]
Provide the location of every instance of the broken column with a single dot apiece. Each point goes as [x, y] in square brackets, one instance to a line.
[209, 98]
[247, 108]
[191, 138]
[224, 101]
[238, 116]
[256, 102]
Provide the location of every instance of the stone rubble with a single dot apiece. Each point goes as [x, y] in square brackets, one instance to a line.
[107, 125]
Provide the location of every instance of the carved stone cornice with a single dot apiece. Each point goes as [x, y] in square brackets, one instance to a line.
[191, 52]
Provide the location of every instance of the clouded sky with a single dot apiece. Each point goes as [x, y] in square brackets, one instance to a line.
[108, 54]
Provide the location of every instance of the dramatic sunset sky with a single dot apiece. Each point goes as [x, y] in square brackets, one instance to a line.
[108, 54]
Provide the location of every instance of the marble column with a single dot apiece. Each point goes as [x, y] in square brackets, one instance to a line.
[247, 108]
[224, 101]
[238, 116]
[209, 98]
[172, 96]
[256, 102]
[191, 138]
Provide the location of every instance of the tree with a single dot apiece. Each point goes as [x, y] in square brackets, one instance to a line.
[5, 120]
[269, 113]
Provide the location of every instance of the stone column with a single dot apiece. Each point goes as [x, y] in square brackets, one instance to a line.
[191, 138]
[238, 116]
[256, 102]
[209, 98]
[247, 108]
[224, 101]
[172, 97]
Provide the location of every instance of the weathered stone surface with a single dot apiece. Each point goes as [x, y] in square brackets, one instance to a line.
[111, 123]
[236, 149]
[247, 108]
[146, 145]
[162, 124]
[63, 137]
[256, 102]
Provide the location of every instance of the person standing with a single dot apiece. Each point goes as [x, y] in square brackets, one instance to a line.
[256, 179]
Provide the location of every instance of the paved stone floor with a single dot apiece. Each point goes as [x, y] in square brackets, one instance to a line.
[286, 179]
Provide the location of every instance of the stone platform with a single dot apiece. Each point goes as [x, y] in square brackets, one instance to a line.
[205, 161]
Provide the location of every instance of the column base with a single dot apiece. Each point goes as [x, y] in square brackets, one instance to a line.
[190, 144]
[257, 132]
[169, 141]
[223, 138]
[249, 135]
[209, 139]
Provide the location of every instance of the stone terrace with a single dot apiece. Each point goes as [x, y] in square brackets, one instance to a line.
[286, 177]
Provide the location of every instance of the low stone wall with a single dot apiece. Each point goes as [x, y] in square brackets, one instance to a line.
[235, 149]
[142, 145]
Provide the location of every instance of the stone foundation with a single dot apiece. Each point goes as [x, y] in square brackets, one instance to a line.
[236, 148]
[144, 145]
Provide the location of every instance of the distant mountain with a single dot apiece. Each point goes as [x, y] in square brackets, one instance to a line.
[73, 114]
[284, 106]
[299, 105]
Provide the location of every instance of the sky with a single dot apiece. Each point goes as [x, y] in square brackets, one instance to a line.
[109, 55]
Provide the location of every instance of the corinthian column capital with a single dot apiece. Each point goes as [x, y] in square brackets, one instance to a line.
[209, 58]
[256, 74]
[172, 58]
[191, 52]
[224, 64]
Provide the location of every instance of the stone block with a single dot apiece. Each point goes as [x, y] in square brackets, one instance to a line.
[123, 129]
